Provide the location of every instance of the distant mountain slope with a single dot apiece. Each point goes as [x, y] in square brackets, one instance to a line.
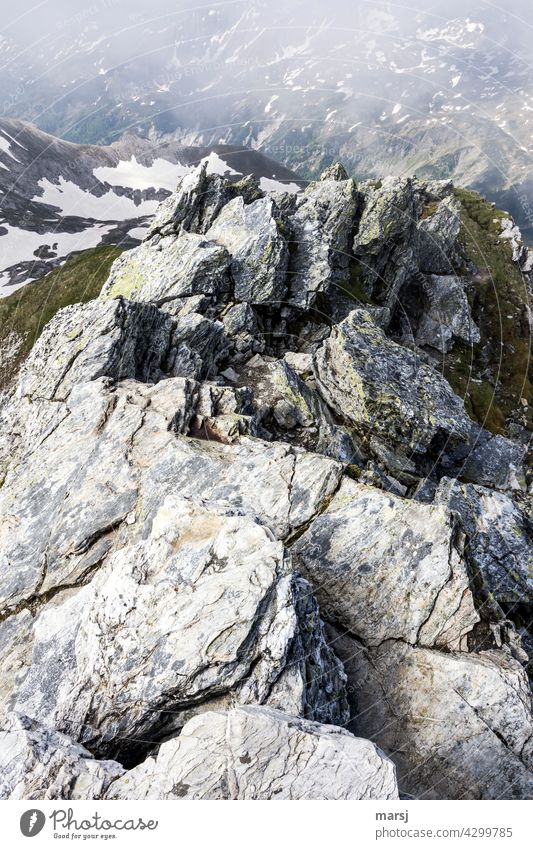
[57, 197]
[445, 90]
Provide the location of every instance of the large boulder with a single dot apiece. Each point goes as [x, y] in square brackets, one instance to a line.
[500, 538]
[39, 763]
[260, 753]
[458, 726]
[165, 273]
[290, 409]
[118, 339]
[84, 342]
[385, 568]
[249, 752]
[259, 253]
[69, 494]
[387, 394]
[203, 609]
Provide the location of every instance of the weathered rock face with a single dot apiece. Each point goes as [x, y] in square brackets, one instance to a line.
[259, 753]
[258, 249]
[437, 234]
[389, 568]
[38, 763]
[193, 206]
[222, 619]
[289, 408]
[118, 339]
[321, 230]
[238, 511]
[457, 725]
[387, 394]
[385, 239]
[245, 753]
[447, 316]
[166, 272]
[500, 538]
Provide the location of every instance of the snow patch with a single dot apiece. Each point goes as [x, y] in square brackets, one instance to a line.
[131, 174]
[18, 246]
[269, 185]
[70, 199]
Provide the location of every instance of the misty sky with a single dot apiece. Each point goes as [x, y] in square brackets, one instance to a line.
[39, 24]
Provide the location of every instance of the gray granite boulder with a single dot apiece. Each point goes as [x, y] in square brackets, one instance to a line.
[260, 753]
[259, 253]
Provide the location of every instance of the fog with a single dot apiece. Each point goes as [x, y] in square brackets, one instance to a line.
[444, 87]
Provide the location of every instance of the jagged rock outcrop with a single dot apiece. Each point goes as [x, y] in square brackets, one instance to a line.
[387, 568]
[260, 753]
[38, 763]
[194, 205]
[400, 405]
[500, 538]
[458, 726]
[385, 240]
[220, 619]
[167, 272]
[257, 247]
[245, 753]
[321, 230]
[239, 498]
[438, 230]
[448, 315]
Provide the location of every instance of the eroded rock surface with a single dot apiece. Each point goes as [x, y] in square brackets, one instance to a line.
[241, 507]
[458, 726]
[38, 763]
[387, 394]
[385, 568]
[259, 753]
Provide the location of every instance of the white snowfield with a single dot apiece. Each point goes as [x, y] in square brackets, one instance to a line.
[100, 213]
[71, 199]
[19, 246]
[161, 174]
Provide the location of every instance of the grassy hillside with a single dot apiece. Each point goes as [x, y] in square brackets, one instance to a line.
[24, 313]
[496, 375]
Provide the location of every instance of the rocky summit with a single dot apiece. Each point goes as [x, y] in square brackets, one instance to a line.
[262, 534]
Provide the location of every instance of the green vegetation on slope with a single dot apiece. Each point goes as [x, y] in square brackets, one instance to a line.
[495, 375]
[24, 313]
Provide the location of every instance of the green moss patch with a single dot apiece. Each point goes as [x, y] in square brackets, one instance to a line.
[496, 374]
[28, 310]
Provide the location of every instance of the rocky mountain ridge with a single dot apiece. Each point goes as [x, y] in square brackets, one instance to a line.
[58, 198]
[445, 92]
[253, 543]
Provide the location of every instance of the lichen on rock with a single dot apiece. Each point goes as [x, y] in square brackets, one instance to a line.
[242, 506]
